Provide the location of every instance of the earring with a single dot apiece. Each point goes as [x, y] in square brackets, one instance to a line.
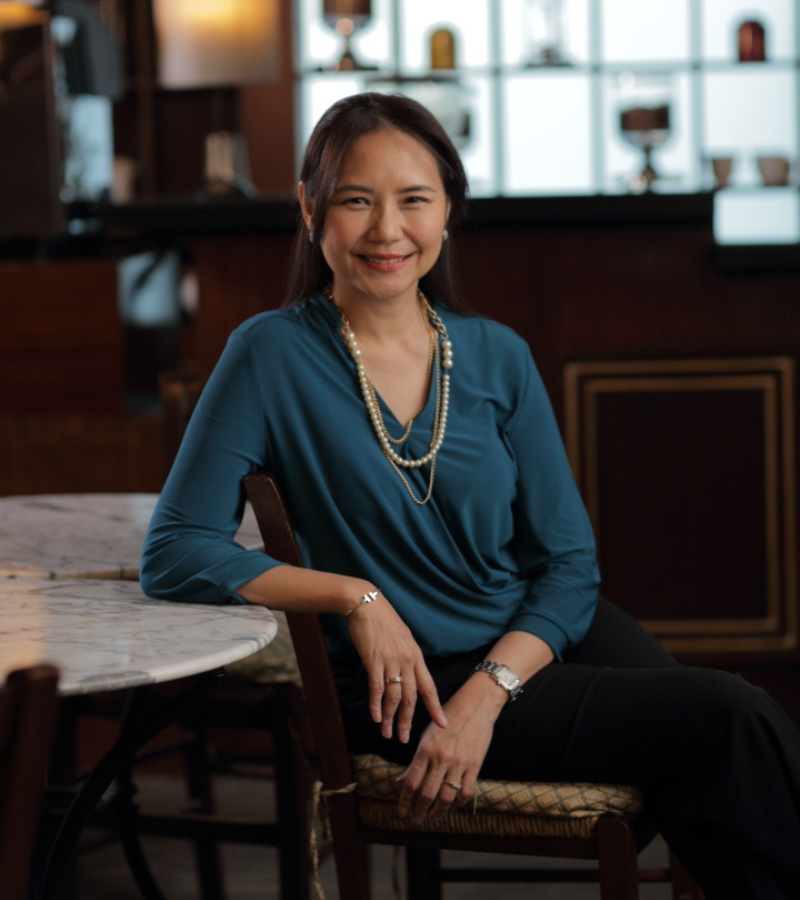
[310, 235]
[445, 234]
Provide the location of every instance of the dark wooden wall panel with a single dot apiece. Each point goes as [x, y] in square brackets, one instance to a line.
[625, 291]
[70, 454]
[62, 341]
[239, 276]
[688, 469]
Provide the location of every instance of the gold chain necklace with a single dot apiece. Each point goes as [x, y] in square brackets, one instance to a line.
[439, 366]
[431, 354]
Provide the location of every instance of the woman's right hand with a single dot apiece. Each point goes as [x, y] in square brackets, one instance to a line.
[388, 651]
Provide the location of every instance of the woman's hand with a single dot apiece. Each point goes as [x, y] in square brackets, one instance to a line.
[444, 769]
[397, 672]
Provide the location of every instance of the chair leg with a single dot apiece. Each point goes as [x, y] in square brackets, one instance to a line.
[351, 853]
[423, 867]
[293, 796]
[207, 854]
[619, 874]
[683, 885]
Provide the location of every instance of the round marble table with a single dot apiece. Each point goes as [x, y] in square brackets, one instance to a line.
[106, 635]
[83, 535]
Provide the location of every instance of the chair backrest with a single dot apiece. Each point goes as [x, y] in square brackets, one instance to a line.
[307, 636]
[28, 704]
[319, 689]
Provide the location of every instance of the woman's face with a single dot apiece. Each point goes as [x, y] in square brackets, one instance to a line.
[383, 228]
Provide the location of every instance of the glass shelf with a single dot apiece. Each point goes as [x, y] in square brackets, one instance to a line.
[555, 130]
[631, 31]
[536, 105]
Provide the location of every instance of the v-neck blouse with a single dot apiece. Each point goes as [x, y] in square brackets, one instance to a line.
[503, 544]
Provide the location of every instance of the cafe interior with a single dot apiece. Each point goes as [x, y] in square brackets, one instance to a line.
[634, 216]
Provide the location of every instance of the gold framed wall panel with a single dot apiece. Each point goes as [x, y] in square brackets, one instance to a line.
[702, 450]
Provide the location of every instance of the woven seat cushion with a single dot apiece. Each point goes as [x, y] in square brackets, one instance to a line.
[274, 663]
[501, 808]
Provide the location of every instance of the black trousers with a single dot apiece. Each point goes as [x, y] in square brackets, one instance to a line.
[717, 759]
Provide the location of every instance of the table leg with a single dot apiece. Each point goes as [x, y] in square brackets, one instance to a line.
[137, 732]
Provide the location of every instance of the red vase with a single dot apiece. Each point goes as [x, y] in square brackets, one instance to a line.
[751, 42]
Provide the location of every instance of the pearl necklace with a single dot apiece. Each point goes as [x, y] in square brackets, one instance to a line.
[442, 363]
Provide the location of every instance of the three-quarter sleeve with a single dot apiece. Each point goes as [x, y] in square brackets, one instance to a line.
[553, 536]
[189, 551]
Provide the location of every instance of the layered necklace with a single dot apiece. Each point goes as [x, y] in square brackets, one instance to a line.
[440, 361]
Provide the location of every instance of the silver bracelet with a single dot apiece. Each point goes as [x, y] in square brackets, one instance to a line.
[367, 598]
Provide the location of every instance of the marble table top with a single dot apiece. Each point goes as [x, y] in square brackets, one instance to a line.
[106, 635]
[82, 535]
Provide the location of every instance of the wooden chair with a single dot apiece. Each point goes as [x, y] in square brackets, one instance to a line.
[605, 823]
[28, 703]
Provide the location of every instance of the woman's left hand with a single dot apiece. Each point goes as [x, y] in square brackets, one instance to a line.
[444, 769]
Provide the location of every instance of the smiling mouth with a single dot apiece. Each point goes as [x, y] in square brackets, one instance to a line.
[387, 261]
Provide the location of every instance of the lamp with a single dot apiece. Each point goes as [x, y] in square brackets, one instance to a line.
[218, 43]
[17, 15]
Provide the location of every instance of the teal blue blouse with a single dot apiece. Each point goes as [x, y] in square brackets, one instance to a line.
[504, 543]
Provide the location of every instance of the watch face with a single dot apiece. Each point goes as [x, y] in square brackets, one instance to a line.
[504, 677]
[509, 679]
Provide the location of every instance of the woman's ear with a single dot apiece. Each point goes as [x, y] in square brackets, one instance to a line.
[305, 206]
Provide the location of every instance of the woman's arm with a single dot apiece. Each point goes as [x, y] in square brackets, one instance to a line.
[190, 553]
[384, 643]
[553, 536]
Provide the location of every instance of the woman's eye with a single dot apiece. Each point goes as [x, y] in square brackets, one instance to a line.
[354, 201]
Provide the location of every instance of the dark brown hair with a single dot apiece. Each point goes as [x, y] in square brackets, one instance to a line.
[343, 124]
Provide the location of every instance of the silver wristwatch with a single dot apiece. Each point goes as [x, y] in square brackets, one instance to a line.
[507, 679]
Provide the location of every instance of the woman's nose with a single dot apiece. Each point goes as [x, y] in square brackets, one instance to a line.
[386, 224]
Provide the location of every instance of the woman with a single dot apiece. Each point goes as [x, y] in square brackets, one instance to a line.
[445, 537]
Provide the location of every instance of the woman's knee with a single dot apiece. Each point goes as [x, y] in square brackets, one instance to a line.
[726, 700]
[617, 640]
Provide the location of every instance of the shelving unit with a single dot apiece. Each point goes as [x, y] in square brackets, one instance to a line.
[538, 130]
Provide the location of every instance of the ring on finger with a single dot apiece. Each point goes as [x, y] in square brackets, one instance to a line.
[455, 785]
[395, 679]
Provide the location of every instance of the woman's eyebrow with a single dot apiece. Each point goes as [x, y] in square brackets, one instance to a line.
[360, 188]
[354, 187]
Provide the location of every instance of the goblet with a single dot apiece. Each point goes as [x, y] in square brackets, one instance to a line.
[543, 29]
[644, 119]
[345, 17]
